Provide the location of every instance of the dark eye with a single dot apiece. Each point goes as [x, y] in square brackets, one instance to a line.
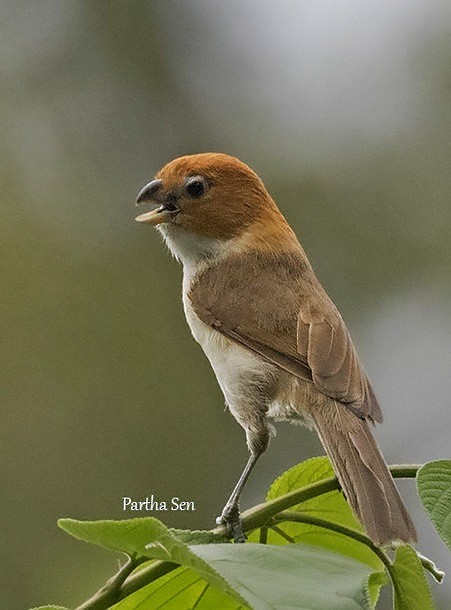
[196, 186]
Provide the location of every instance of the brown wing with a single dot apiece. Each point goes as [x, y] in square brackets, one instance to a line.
[282, 313]
[324, 340]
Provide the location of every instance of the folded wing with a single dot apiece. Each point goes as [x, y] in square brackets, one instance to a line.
[280, 311]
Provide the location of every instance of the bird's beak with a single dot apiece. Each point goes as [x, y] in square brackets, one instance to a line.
[154, 217]
[148, 194]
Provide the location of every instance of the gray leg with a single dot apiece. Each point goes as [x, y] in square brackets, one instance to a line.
[230, 516]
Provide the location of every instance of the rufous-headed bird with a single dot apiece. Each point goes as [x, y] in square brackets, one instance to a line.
[276, 342]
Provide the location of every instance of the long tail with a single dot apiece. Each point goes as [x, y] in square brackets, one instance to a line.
[363, 474]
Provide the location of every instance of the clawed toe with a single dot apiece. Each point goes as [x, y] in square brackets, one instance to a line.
[231, 518]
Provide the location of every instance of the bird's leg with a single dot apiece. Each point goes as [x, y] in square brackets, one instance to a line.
[230, 515]
[257, 434]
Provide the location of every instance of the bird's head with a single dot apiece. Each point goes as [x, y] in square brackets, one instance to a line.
[203, 202]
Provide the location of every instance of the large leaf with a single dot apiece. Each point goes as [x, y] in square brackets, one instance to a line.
[295, 576]
[128, 535]
[145, 537]
[434, 489]
[331, 506]
[411, 590]
[231, 576]
[181, 588]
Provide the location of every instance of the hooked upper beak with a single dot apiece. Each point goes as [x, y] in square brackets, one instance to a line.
[160, 214]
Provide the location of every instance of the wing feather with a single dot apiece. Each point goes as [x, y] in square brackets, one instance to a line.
[282, 313]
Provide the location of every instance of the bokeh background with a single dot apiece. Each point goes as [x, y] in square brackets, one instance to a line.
[343, 107]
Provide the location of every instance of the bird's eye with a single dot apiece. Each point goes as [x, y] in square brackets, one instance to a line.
[196, 186]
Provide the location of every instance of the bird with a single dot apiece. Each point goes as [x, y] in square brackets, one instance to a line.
[277, 344]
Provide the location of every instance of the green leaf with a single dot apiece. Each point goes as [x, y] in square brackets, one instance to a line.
[267, 577]
[128, 536]
[181, 588]
[231, 576]
[132, 535]
[411, 590]
[375, 582]
[294, 576]
[197, 536]
[331, 506]
[146, 537]
[434, 489]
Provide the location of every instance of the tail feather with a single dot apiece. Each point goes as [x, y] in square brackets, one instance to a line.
[363, 474]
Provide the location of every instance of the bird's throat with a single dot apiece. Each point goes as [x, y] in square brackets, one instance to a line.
[189, 249]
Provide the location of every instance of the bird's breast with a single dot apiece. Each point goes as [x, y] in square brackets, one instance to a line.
[235, 366]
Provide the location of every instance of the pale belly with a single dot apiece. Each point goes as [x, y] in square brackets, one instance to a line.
[232, 363]
[246, 379]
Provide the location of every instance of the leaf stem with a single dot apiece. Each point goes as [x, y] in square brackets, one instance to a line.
[107, 595]
[291, 515]
[430, 566]
[145, 576]
[263, 535]
[282, 534]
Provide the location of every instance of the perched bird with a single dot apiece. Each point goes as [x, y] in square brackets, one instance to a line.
[276, 342]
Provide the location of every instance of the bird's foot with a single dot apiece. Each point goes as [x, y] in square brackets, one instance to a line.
[230, 517]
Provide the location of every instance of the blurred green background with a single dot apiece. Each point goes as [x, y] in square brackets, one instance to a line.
[344, 110]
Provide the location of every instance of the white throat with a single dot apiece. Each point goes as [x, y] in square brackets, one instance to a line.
[193, 251]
